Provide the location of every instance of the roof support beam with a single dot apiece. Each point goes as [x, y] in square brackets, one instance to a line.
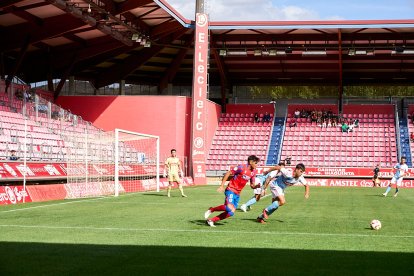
[62, 81]
[340, 82]
[19, 61]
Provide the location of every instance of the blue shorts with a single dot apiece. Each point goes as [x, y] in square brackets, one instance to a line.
[232, 198]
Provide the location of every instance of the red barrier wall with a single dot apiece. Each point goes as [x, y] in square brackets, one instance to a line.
[250, 108]
[166, 116]
[410, 109]
[368, 108]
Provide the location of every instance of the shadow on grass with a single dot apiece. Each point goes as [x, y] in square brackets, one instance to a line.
[80, 259]
[203, 222]
[255, 220]
[155, 194]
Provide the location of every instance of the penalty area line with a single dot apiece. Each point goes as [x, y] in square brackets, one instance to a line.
[196, 231]
[62, 203]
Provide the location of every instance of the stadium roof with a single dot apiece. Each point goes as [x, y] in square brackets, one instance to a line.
[148, 42]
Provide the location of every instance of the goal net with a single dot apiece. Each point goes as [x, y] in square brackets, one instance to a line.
[109, 163]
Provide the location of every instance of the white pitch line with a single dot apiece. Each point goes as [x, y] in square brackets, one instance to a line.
[63, 203]
[47, 205]
[199, 230]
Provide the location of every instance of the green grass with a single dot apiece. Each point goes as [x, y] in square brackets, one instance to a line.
[148, 233]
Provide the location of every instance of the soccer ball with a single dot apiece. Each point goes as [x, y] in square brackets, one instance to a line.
[375, 224]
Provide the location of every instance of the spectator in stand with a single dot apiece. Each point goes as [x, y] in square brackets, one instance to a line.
[323, 123]
[288, 160]
[296, 114]
[344, 127]
[351, 128]
[329, 122]
[293, 123]
[13, 156]
[412, 136]
[334, 122]
[314, 117]
[256, 117]
[356, 122]
[267, 117]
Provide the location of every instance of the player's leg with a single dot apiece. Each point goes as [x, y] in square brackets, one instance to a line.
[179, 181]
[278, 199]
[399, 182]
[393, 181]
[180, 186]
[250, 202]
[170, 183]
[230, 206]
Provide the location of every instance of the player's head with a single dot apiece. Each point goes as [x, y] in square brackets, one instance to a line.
[299, 170]
[281, 164]
[403, 160]
[252, 160]
[173, 152]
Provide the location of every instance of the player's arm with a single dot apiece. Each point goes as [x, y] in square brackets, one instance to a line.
[252, 183]
[274, 168]
[223, 181]
[306, 190]
[267, 181]
[304, 182]
[166, 169]
[180, 170]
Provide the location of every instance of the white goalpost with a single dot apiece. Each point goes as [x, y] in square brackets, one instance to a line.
[110, 163]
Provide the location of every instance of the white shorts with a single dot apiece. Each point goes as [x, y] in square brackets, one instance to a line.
[258, 191]
[397, 181]
[276, 191]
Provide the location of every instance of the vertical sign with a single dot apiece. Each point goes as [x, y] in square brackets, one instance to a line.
[198, 152]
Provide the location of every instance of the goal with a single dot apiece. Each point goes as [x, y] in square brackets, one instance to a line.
[110, 163]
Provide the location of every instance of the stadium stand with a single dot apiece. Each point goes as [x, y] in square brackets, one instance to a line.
[49, 127]
[372, 142]
[238, 136]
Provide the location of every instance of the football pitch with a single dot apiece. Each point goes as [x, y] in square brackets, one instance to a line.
[151, 234]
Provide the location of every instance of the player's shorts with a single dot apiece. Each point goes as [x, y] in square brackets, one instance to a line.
[172, 177]
[276, 191]
[397, 180]
[258, 191]
[232, 198]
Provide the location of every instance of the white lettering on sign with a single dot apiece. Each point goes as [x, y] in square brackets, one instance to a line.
[202, 37]
[200, 79]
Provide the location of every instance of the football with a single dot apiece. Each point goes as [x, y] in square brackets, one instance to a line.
[375, 224]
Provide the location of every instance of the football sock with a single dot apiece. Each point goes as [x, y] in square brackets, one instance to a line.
[273, 207]
[388, 189]
[181, 189]
[222, 216]
[168, 190]
[218, 208]
[251, 201]
[396, 190]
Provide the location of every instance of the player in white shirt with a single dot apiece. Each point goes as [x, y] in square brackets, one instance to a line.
[258, 193]
[400, 170]
[286, 178]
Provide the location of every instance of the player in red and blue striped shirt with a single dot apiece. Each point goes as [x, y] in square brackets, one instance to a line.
[241, 175]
